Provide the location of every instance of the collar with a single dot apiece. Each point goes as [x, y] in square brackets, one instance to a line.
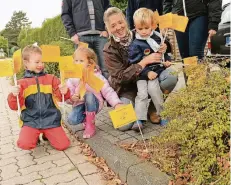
[31, 74]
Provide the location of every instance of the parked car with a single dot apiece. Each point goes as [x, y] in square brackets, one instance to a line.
[220, 43]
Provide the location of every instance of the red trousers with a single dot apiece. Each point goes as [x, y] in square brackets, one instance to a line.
[29, 136]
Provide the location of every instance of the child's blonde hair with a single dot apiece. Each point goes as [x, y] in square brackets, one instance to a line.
[26, 52]
[142, 15]
[90, 54]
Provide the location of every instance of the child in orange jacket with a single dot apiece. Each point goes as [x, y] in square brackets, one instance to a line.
[38, 92]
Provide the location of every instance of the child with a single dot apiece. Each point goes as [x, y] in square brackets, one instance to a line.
[84, 111]
[147, 41]
[38, 93]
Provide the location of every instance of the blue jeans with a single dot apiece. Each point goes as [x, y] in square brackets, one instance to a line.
[193, 41]
[91, 104]
[97, 44]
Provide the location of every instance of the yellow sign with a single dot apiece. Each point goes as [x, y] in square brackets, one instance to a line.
[69, 69]
[190, 60]
[95, 82]
[82, 89]
[17, 59]
[165, 21]
[6, 68]
[123, 116]
[83, 45]
[179, 23]
[50, 53]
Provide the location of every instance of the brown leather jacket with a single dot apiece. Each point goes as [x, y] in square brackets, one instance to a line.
[123, 75]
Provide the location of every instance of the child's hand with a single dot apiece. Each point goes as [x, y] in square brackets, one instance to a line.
[75, 97]
[15, 90]
[163, 48]
[167, 64]
[63, 89]
[118, 106]
[152, 75]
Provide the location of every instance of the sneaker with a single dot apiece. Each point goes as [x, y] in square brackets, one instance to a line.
[135, 127]
[163, 122]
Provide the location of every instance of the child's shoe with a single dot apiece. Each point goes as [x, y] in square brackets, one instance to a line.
[163, 122]
[90, 128]
[135, 127]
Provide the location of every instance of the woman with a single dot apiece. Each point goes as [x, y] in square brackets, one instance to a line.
[123, 75]
[204, 17]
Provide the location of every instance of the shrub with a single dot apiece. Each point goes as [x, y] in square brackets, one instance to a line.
[200, 117]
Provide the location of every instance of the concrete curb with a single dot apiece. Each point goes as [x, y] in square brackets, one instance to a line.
[129, 167]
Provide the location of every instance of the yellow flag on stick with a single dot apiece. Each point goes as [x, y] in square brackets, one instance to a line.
[190, 60]
[165, 21]
[69, 69]
[50, 53]
[123, 116]
[155, 19]
[83, 45]
[17, 60]
[95, 82]
[6, 68]
[179, 23]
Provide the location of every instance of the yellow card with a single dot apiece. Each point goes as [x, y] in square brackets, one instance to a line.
[179, 23]
[165, 21]
[83, 45]
[50, 53]
[69, 69]
[191, 60]
[95, 82]
[123, 116]
[17, 59]
[6, 68]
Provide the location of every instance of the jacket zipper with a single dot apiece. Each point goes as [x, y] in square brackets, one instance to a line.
[39, 98]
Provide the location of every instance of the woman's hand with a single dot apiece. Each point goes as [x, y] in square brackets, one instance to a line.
[75, 97]
[163, 48]
[167, 64]
[152, 58]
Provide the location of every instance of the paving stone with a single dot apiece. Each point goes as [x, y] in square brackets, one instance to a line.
[22, 179]
[61, 162]
[73, 150]
[98, 122]
[9, 171]
[124, 136]
[106, 128]
[44, 159]
[115, 132]
[36, 182]
[94, 179]
[39, 152]
[112, 139]
[4, 162]
[37, 168]
[129, 140]
[6, 134]
[4, 149]
[67, 177]
[25, 161]
[87, 168]
[57, 170]
[79, 181]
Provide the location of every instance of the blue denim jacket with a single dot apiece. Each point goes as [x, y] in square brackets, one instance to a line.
[139, 49]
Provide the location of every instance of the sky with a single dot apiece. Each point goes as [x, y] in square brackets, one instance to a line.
[37, 11]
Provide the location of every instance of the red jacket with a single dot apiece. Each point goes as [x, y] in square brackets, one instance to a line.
[38, 98]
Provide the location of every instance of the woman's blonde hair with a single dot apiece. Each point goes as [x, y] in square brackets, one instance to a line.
[142, 15]
[90, 54]
[112, 11]
[26, 52]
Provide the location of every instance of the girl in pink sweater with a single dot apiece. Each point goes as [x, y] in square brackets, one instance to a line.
[84, 110]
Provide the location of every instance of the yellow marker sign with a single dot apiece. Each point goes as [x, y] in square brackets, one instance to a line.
[6, 68]
[123, 116]
[94, 82]
[50, 53]
[17, 59]
[179, 23]
[165, 21]
[83, 45]
[155, 19]
[82, 89]
[190, 60]
[69, 69]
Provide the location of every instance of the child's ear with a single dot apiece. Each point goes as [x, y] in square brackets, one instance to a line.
[25, 62]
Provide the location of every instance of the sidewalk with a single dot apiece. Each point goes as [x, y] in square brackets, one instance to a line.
[43, 165]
